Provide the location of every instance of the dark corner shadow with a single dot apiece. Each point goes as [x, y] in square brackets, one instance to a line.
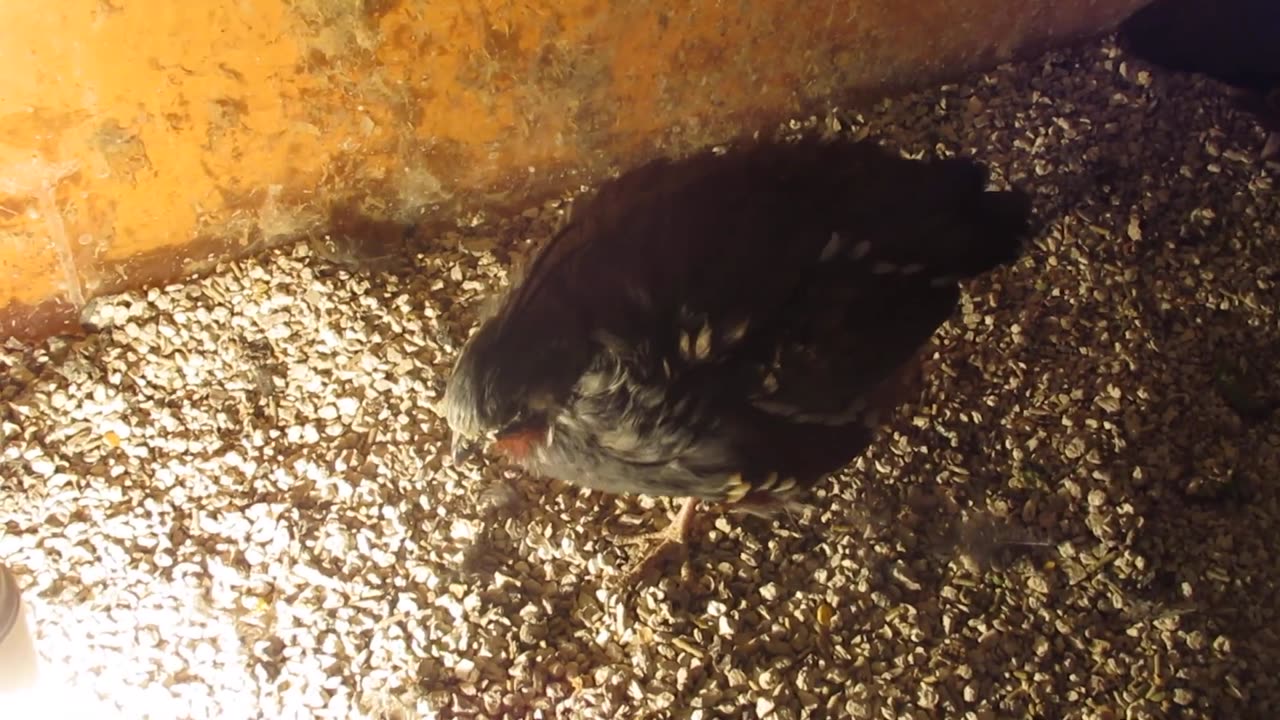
[1203, 437]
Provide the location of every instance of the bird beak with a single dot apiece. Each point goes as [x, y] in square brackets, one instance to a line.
[462, 449]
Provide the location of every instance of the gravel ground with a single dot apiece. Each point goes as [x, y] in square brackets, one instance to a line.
[234, 500]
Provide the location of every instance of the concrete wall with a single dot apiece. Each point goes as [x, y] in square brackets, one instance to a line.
[138, 138]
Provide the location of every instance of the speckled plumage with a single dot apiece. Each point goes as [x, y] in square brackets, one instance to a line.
[730, 327]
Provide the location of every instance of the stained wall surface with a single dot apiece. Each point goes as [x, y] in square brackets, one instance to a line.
[140, 138]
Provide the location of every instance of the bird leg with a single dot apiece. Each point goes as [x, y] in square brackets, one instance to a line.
[674, 535]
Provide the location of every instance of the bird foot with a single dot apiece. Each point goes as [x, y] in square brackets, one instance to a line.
[674, 537]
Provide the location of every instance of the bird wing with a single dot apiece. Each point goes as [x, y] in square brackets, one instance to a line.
[748, 304]
[830, 262]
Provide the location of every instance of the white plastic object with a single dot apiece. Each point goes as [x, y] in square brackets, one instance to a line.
[18, 668]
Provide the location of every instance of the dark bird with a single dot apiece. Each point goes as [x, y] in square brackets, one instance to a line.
[730, 327]
[1236, 42]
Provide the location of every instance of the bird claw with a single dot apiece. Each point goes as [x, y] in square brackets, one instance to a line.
[674, 537]
[661, 544]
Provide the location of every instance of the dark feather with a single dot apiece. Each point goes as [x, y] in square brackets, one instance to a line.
[715, 325]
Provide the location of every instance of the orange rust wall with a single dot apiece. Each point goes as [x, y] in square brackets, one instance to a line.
[138, 137]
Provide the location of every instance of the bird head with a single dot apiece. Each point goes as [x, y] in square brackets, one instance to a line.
[504, 390]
